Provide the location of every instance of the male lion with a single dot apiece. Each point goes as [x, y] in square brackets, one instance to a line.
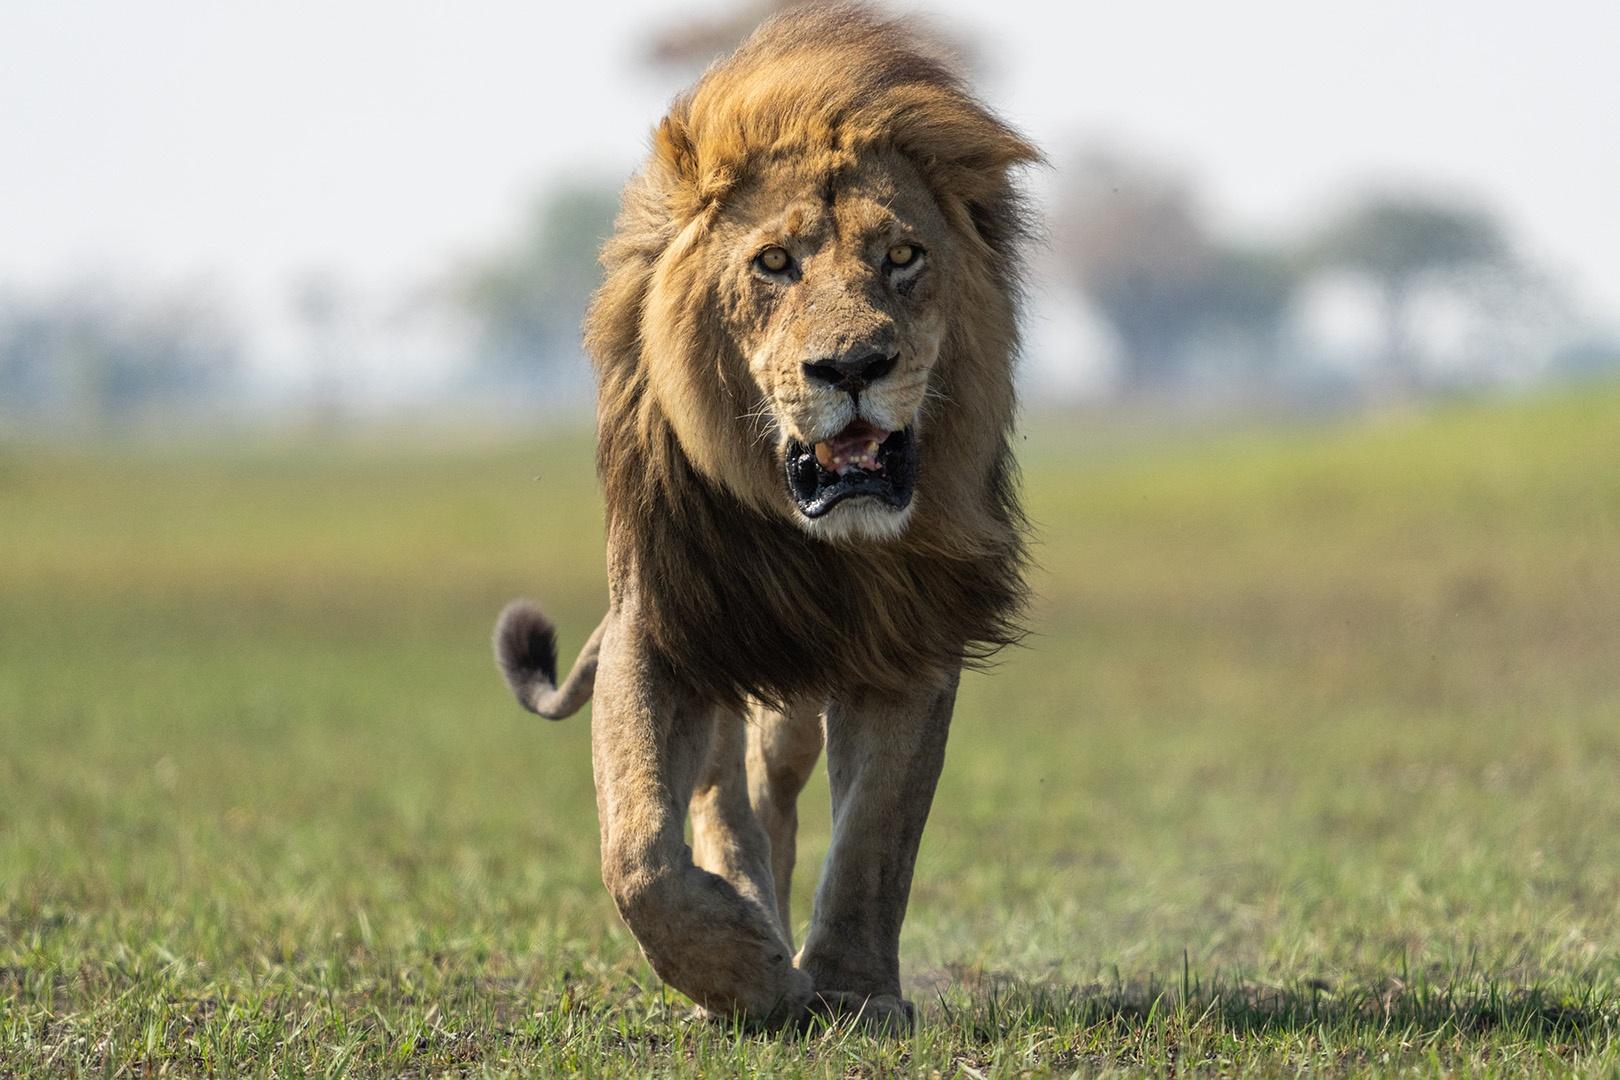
[804, 348]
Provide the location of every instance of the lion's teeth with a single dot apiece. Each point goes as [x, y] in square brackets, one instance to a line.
[856, 463]
[841, 458]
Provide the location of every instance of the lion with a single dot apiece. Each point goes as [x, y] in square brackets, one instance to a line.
[804, 345]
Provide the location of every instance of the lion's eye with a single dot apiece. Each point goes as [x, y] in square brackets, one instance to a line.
[774, 259]
[903, 254]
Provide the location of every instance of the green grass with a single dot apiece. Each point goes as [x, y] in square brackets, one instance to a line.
[1311, 764]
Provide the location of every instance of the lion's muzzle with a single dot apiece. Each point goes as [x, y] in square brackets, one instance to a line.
[861, 460]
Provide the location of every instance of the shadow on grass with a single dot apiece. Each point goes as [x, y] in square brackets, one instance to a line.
[988, 1008]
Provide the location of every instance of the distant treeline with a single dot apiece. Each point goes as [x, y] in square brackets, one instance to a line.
[1438, 296]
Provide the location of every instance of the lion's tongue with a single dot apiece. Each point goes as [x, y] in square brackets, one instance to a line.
[856, 447]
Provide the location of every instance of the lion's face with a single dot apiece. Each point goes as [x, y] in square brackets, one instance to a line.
[804, 343]
[835, 294]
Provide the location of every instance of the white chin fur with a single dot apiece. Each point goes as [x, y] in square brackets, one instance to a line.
[859, 519]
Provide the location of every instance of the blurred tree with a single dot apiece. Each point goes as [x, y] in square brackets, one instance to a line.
[1594, 355]
[691, 43]
[93, 358]
[528, 300]
[1135, 239]
[1401, 241]
[1249, 290]
[323, 306]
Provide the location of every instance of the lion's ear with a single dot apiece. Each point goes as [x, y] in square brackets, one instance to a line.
[971, 157]
[693, 182]
[977, 152]
[674, 149]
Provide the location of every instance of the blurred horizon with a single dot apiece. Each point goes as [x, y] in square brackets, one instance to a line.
[367, 212]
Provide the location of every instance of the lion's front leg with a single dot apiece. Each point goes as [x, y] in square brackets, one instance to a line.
[883, 760]
[649, 743]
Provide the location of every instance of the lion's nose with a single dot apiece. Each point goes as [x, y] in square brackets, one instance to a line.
[853, 374]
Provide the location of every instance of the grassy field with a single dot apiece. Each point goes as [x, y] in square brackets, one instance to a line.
[1311, 763]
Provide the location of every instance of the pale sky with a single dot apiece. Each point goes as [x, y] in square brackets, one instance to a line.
[243, 144]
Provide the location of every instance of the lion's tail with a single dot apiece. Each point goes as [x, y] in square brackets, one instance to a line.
[526, 652]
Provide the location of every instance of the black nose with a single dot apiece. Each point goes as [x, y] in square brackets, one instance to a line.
[854, 373]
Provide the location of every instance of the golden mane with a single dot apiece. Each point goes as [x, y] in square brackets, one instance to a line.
[739, 601]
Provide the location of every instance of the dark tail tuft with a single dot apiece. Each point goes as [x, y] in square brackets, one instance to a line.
[526, 647]
[526, 651]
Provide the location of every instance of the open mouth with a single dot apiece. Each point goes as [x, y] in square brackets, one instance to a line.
[860, 460]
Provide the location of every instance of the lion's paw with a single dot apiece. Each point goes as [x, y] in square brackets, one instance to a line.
[875, 1014]
[790, 1003]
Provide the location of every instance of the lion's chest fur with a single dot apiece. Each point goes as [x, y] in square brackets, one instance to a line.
[740, 605]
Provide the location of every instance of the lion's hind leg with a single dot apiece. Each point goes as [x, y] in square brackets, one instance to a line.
[727, 838]
[783, 747]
